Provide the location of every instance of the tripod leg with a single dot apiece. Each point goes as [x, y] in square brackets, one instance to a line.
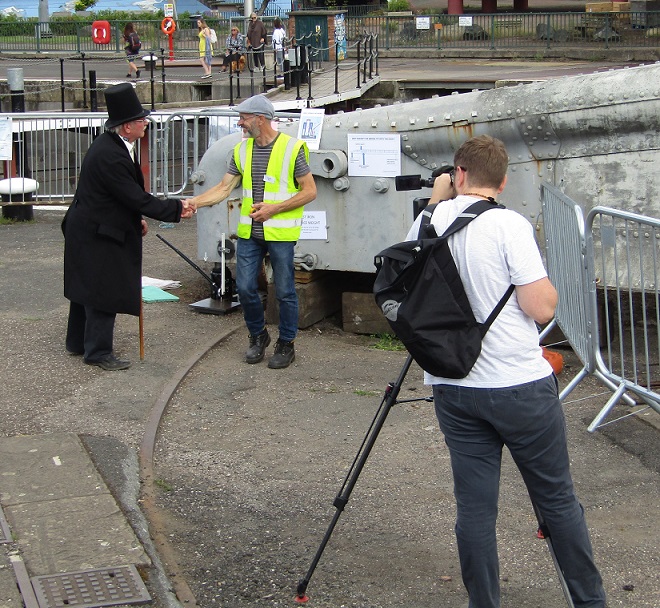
[388, 401]
[544, 533]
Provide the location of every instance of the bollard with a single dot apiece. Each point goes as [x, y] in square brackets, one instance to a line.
[16, 89]
[19, 145]
[93, 93]
[286, 68]
[150, 66]
[19, 190]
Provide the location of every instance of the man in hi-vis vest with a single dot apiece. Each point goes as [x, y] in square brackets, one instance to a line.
[277, 182]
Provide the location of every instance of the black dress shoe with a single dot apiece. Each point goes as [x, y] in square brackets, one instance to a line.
[109, 363]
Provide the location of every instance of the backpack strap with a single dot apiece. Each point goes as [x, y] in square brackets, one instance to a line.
[485, 326]
[462, 220]
[474, 210]
[426, 229]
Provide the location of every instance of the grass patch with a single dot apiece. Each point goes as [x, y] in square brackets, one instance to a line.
[363, 393]
[387, 342]
[164, 485]
[8, 221]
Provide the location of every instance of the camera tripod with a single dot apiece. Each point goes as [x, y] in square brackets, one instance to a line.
[389, 400]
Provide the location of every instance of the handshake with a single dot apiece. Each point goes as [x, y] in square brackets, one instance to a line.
[189, 209]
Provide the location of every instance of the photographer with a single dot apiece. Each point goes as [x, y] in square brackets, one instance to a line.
[509, 398]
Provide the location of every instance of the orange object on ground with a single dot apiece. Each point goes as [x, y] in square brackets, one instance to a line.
[555, 359]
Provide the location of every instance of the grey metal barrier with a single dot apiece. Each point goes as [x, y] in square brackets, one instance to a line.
[606, 276]
[625, 301]
[49, 148]
[563, 224]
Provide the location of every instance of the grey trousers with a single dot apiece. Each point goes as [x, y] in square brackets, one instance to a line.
[528, 419]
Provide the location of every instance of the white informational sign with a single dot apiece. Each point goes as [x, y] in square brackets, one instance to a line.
[5, 138]
[168, 10]
[465, 20]
[310, 127]
[375, 155]
[423, 23]
[314, 226]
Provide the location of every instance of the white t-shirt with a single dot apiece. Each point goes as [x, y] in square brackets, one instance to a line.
[278, 39]
[495, 250]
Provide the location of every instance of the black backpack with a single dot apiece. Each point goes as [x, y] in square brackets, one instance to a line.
[421, 294]
[134, 44]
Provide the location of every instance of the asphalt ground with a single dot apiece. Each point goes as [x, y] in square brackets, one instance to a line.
[249, 460]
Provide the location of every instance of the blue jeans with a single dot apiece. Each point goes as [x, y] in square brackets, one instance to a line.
[529, 420]
[250, 254]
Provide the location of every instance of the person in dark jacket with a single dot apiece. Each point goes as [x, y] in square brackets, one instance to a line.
[103, 231]
[256, 40]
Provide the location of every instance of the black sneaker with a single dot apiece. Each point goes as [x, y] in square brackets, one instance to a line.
[137, 74]
[109, 363]
[257, 349]
[284, 355]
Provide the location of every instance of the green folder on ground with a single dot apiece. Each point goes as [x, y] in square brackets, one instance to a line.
[156, 294]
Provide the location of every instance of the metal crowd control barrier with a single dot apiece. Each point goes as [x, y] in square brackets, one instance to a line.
[623, 248]
[49, 147]
[563, 223]
[586, 287]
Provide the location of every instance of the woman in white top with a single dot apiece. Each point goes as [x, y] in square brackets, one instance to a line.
[279, 42]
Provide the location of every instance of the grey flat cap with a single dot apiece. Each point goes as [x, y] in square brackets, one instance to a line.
[258, 104]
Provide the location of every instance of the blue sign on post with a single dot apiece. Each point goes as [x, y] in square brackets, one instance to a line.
[340, 36]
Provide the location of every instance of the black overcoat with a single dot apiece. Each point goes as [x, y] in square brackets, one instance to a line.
[103, 231]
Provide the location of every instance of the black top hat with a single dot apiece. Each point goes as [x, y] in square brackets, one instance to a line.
[123, 105]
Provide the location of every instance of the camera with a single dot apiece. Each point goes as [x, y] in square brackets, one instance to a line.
[415, 182]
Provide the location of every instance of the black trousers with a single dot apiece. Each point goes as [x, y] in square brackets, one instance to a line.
[227, 59]
[259, 60]
[90, 331]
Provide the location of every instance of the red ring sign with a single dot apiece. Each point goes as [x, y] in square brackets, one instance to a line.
[168, 25]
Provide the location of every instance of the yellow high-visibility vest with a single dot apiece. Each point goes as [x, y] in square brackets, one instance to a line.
[279, 185]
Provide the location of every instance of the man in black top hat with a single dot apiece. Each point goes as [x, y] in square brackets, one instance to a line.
[103, 231]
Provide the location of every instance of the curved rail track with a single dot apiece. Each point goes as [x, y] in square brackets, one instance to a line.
[146, 460]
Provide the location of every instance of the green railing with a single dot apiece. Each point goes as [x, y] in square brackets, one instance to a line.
[76, 36]
[487, 31]
[511, 30]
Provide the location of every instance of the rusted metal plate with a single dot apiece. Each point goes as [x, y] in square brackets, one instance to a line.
[114, 586]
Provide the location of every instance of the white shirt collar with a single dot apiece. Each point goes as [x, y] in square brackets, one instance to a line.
[130, 146]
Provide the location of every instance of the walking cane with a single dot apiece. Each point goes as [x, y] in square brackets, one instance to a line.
[141, 330]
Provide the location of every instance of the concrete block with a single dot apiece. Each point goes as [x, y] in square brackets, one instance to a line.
[361, 315]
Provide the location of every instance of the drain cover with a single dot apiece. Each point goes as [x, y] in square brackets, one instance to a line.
[5, 534]
[102, 587]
